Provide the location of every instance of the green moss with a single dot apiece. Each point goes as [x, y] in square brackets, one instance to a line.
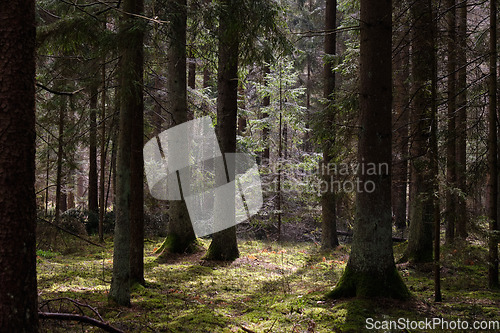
[361, 284]
[271, 288]
[175, 244]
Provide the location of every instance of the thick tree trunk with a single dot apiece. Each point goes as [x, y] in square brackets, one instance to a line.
[137, 177]
[371, 271]
[492, 151]
[421, 201]
[103, 148]
[18, 291]
[224, 245]
[329, 238]
[400, 128]
[130, 48]
[435, 183]
[181, 237]
[461, 125]
[451, 135]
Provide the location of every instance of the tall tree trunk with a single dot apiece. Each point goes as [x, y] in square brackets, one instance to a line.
[181, 237]
[47, 175]
[435, 182]
[400, 126]
[131, 63]
[18, 292]
[137, 170]
[451, 135]
[329, 237]
[422, 203]
[224, 245]
[206, 70]
[137, 195]
[102, 176]
[307, 135]
[59, 174]
[137, 167]
[93, 189]
[461, 125]
[370, 271]
[266, 102]
[492, 151]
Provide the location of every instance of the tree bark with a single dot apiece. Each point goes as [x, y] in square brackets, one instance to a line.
[103, 148]
[137, 176]
[18, 292]
[266, 102]
[421, 201]
[400, 127]
[224, 245]
[329, 239]
[60, 144]
[451, 135]
[192, 71]
[93, 189]
[370, 271]
[435, 183]
[130, 48]
[461, 125]
[181, 237]
[492, 151]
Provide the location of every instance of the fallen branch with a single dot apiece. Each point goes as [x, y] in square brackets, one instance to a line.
[70, 232]
[349, 233]
[74, 302]
[79, 318]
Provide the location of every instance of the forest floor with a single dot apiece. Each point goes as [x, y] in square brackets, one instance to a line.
[272, 287]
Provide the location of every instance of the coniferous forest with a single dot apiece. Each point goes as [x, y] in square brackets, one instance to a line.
[358, 141]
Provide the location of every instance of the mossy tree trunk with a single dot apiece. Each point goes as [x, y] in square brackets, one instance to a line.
[181, 237]
[371, 271]
[130, 48]
[329, 238]
[421, 201]
[224, 245]
[18, 291]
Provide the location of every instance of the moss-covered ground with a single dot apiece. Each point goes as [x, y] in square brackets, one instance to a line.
[271, 288]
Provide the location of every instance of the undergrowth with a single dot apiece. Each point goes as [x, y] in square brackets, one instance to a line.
[271, 288]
